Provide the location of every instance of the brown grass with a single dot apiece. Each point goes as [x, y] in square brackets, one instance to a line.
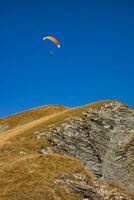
[28, 175]
[121, 189]
[45, 122]
[31, 115]
[33, 177]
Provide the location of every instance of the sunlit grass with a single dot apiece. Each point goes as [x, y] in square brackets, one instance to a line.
[27, 175]
[30, 115]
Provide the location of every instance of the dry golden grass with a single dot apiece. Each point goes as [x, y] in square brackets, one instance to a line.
[31, 115]
[33, 177]
[113, 185]
[27, 175]
[48, 121]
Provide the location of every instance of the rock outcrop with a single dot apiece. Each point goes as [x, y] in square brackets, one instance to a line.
[103, 139]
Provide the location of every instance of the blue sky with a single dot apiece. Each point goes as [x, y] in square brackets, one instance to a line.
[95, 62]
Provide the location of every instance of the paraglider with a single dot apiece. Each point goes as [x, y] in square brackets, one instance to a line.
[51, 53]
[52, 39]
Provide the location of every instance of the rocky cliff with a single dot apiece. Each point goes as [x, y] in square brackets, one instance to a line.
[102, 138]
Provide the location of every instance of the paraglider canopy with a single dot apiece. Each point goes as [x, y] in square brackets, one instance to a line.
[52, 39]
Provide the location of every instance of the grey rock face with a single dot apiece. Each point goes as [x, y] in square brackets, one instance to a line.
[96, 190]
[88, 192]
[103, 139]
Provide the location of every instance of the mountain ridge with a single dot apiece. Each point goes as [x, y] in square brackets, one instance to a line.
[69, 144]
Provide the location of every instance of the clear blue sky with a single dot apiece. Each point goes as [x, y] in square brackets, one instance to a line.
[96, 60]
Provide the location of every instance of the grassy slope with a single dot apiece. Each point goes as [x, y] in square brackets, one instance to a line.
[44, 122]
[30, 115]
[29, 175]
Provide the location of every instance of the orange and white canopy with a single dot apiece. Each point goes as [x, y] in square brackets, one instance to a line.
[52, 39]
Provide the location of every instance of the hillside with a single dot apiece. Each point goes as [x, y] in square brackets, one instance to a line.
[60, 153]
[28, 116]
